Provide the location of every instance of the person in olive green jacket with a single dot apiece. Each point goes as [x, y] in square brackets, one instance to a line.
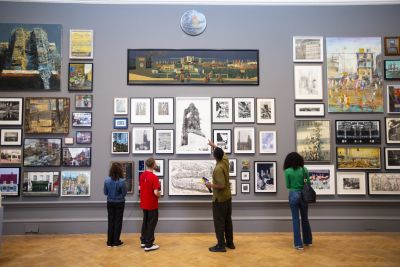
[221, 201]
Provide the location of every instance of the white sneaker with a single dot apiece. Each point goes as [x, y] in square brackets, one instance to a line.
[154, 247]
[142, 245]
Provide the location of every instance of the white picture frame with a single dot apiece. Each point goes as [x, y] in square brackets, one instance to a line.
[351, 183]
[309, 110]
[265, 178]
[71, 190]
[244, 140]
[378, 183]
[232, 167]
[119, 142]
[164, 141]
[233, 186]
[140, 110]
[163, 110]
[142, 140]
[161, 186]
[308, 49]
[222, 110]
[245, 176]
[265, 110]
[267, 142]
[223, 139]
[245, 110]
[81, 49]
[160, 171]
[11, 137]
[308, 82]
[320, 187]
[245, 188]
[68, 140]
[11, 111]
[120, 106]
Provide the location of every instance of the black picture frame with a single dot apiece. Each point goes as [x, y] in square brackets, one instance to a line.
[82, 162]
[356, 163]
[12, 110]
[358, 127]
[392, 132]
[75, 88]
[266, 183]
[83, 107]
[79, 138]
[6, 192]
[76, 122]
[41, 157]
[158, 120]
[40, 193]
[391, 72]
[394, 161]
[313, 104]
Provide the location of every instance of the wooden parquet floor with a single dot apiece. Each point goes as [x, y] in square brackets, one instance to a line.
[255, 249]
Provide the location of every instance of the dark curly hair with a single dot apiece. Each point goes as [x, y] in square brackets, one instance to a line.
[293, 160]
[218, 153]
[116, 171]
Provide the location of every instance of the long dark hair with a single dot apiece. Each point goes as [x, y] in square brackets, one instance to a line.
[293, 160]
[116, 171]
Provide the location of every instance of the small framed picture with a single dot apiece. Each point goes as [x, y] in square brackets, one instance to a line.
[11, 110]
[82, 119]
[232, 167]
[384, 183]
[245, 188]
[163, 110]
[76, 156]
[265, 110]
[392, 130]
[120, 106]
[120, 143]
[164, 141]
[68, 140]
[322, 178]
[244, 110]
[392, 158]
[161, 186]
[222, 110]
[393, 99]
[392, 46]
[140, 110]
[120, 123]
[83, 101]
[142, 165]
[309, 110]
[81, 44]
[350, 183]
[232, 184]
[83, 137]
[308, 84]
[9, 181]
[80, 77]
[265, 176]
[308, 49]
[392, 69]
[159, 171]
[10, 156]
[223, 139]
[244, 140]
[267, 142]
[142, 140]
[11, 137]
[245, 176]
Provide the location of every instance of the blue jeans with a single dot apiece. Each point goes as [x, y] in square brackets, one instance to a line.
[296, 205]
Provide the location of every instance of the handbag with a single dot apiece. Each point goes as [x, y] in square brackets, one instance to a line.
[308, 194]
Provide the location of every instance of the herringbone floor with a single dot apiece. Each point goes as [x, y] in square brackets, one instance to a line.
[255, 249]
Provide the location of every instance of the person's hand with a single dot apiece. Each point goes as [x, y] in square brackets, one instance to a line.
[211, 144]
[209, 185]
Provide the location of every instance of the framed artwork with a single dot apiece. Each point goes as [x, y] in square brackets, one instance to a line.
[68, 140]
[80, 77]
[223, 139]
[77, 156]
[164, 141]
[309, 110]
[392, 46]
[83, 137]
[159, 171]
[308, 83]
[392, 69]
[351, 183]
[120, 143]
[163, 110]
[244, 142]
[9, 181]
[222, 110]
[142, 140]
[313, 140]
[265, 110]
[245, 176]
[245, 188]
[46, 183]
[128, 172]
[245, 164]
[10, 156]
[30, 68]
[353, 158]
[42, 152]
[232, 184]
[358, 132]
[11, 137]
[244, 110]
[308, 49]
[322, 178]
[161, 186]
[392, 130]
[83, 101]
[267, 142]
[232, 167]
[392, 158]
[75, 183]
[140, 110]
[120, 106]
[120, 123]
[81, 44]
[47, 115]
[384, 183]
[193, 125]
[354, 74]
[82, 119]
[265, 176]
[11, 110]
[393, 99]
[192, 67]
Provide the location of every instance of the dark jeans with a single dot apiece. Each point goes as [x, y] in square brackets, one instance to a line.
[296, 205]
[115, 214]
[222, 214]
[150, 219]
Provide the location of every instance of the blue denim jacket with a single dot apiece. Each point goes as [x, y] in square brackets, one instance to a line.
[115, 190]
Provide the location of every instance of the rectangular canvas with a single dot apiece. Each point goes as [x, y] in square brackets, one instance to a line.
[11, 110]
[140, 110]
[75, 183]
[120, 106]
[354, 73]
[9, 181]
[10, 137]
[308, 83]
[193, 125]
[121, 123]
[313, 140]
[245, 110]
[10, 156]
[120, 143]
[322, 178]
[82, 119]
[392, 158]
[265, 176]
[163, 110]
[80, 77]
[142, 140]
[127, 172]
[159, 170]
[392, 46]
[83, 137]
[392, 130]
[309, 110]
[83, 101]
[80, 44]
[222, 110]
[232, 167]
[223, 139]
[43, 183]
[393, 99]
[358, 132]
[77, 156]
[384, 183]
[265, 110]
[267, 141]
[353, 158]
[308, 49]
[192, 67]
[42, 152]
[164, 141]
[68, 140]
[244, 140]
[47, 115]
[392, 69]
[30, 57]
[351, 183]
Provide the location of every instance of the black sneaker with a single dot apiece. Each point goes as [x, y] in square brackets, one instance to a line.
[230, 245]
[217, 248]
[119, 244]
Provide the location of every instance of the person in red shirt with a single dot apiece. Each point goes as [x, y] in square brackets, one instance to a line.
[149, 194]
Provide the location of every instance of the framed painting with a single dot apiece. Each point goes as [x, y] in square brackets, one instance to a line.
[30, 68]
[127, 172]
[77, 156]
[232, 184]
[265, 176]
[245, 176]
[393, 99]
[75, 183]
[120, 143]
[245, 188]
[309, 110]
[120, 123]
[232, 167]
[42, 152]
[10, 137]
[223, 139]
[47, 115]
[222, 110]
[392, 130]
[354, 74]
[142, 140]
[351, 183]
[164, 141]
[82, 119]
[244, 110]
[140, 110]
[161, 186]
[313, 140]
[10, 156]
[392, 70]
[392, 46]
[358, 132]
[308, 48]
[193, 125]
[322, 178]
[83, 101]
[192, 67]
[80, 44]
[159, 171]
[11, 110]
[83, 137]
[80, 77]
[267, 141]
[9, 181]
[384, 183]
[308, 83]
[120, 106]
[68, 140]
[265, 110]
[163, 110]
[244, 140]
[358, 158]
[44, 183]
[392, 158]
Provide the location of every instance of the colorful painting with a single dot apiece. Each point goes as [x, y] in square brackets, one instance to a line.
[322, 178]
[313, 140]
[392, 46]
[120, 143]
[42, 152]
[77, 156]
[358, 158]
[81, 44]
[392, 69]
[9, 181]
[10, 156]
[75, 183]
[80, 77]
[41, 184]
[393, 98]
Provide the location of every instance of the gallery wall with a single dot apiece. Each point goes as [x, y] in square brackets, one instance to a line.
[269, 29]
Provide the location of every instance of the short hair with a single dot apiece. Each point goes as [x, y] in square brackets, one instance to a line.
[116, 171]
[218, 153]
[150, 162]
[293, 160]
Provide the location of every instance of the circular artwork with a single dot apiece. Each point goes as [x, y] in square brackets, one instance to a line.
[193, 22]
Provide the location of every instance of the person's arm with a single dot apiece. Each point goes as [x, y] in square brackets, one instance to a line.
[287, 180]
[219, 181]
[211, 144]
[156, 187]
[105, 189]
[124, 190]
[308, 176]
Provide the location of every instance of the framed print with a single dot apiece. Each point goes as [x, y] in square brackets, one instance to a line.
[68, 140]
[10, 156]
[245, 188]
[11, 110]
[42, 152]
[322, 178]
[244, 110]
[393, 99]
[34, 57]
[392, 158]
[120, 123]
[75, 183]
[47, 115]
[140, 110]
[232, 184]
[46, 183]
[192, 67]
[81, 44]
[128, 173]
[265, 176]
[142, 166]
[313, 140]
[245, 164]
[392, 46]
[120, 143]
[164, 141]
[354, 74]
[358, 132]
[9, 181]
[308, 82]
[142, 140]
[159, 171]
[77, 156]
[82, 119]
[11, 137]
[267, 142]
[83, 101]
[80, 77]
[308, 49]
[358, 158]
[392, 130]
[245, 176]
[83, 137]
[223, 139]
[232, 167]
[309, 110]
[265, 110]
[384, 183]
[120, 106]
[350, 183]
[244, 142]
[392, 69]
[163, 110]
[222, 110]
[161, 186]
[193, 125]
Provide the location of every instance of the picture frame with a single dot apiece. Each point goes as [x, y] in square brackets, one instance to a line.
[232, 167]
[10, 156]
[222, 109]
[308, 49]
[245, 176]
[161, 187]
[160, 168]
[10, 137]
[76, 156]
[392, 46]
[244, 140]
[383, 183]
[142, 140]
[68, 140]
[322, 178]
[351, 183]
[358, 158]
[10, 180]
[393, 99]
[309, 110]
[42, 152]
[355, 132]
[245, 110]
[313, 140]
[41, 183]
[232, 184]
[119, 142]
[391, 69]
[11, 111]
[265, 178]
[75, 183]
[83, 137]
[392, 129]
[128, 173]
[267, 142]
[142, 165]
[120, 123]
[245, 188]
[83, 101]
[81, 44]
[265, 111]
[120, 106]
[82, 119]
[164, 141]
[140, 110]
[392, 158]
[163, 112]
[223, 139]
[308, 84]
[80, 77]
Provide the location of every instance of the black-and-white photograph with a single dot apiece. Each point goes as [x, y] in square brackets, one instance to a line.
[232, 167]
[265, 110]
[308, 82]
[392, 158]
[140, 110]
[392, 130]
[10, 111]
[142, 140]
[265, 176]
[358, 132]
[308, 49]
[244, 140]
[244, 110]
[222, 110]
[223, 139]
[163, 110]
[11, 137]
[351, 183]
[159, 170]
[245, 188]
[384, 183]
[245, 176]
[309, 109]
[164, 141]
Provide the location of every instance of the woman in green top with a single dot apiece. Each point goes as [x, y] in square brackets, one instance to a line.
[294, 177]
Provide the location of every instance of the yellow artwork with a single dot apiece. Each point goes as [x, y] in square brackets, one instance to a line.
[358, 157]
[81, 44]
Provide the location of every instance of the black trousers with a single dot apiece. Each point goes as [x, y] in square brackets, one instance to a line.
[222, 214]
[115, 214]
[150, 219]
